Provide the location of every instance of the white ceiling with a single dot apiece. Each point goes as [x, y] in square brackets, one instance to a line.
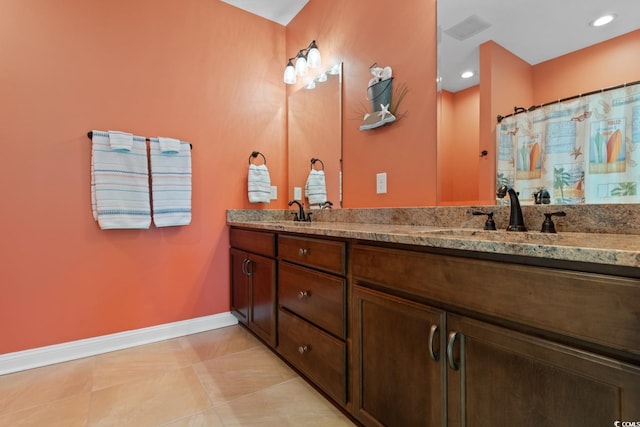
[280, 11]
[535, 30]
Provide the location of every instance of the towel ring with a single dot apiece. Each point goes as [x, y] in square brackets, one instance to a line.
[256, 154]
[313, 162]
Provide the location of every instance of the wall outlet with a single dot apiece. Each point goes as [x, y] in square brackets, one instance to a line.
[297, 193]
[381, 183]
[274, 192]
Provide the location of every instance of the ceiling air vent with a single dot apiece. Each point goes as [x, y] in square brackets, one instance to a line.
[467, 28]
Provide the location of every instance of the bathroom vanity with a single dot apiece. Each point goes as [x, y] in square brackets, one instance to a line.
[421, 325]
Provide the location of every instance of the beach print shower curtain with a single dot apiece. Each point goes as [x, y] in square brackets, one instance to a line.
[581, 151]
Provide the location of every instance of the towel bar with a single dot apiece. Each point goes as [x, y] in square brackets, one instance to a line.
[90, 135]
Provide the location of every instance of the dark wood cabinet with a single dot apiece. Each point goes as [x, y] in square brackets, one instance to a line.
[498, 377]
[312, 315]
[253, 282]
[405, 336]
[398, 361]
[499, 370]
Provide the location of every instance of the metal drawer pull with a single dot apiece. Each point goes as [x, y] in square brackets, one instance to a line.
[304, 349]
[303, 251]
[304, 294]
[245, 262]
[452, 341]
[249, 267]
[432, 333]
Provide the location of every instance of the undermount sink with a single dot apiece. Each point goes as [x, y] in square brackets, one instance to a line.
[498, 235]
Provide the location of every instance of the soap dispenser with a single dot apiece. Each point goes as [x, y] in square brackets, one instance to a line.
[548, 226]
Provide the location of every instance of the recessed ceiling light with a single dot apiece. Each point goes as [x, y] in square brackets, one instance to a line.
[603, 20]
[467, 74]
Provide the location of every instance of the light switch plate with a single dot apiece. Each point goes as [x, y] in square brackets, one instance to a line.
[297, 193]
[381, 183]
[274, 192]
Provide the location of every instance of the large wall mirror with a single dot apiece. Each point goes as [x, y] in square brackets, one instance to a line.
[315, 133]
[537, 32]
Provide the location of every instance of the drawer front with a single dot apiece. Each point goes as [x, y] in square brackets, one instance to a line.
[316, 296]
[325, 254]
[597, 308]
[317, 354]
[258, 242]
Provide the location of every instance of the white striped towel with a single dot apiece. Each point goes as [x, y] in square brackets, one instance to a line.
[316, 188]
[259, 184]
[120, 141]
[170, 184]
[169, 145]
[120, 183]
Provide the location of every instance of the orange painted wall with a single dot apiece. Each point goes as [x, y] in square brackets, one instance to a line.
[458, 151]
[199, 70]
[605, 64]
[403, 36]
[505, 81]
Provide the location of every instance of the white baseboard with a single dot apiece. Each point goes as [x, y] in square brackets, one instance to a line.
[42, 356]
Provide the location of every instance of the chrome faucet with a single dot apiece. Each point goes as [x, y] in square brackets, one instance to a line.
[299, 216]
[516, 221]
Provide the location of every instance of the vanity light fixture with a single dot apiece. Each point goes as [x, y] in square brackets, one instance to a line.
[290, 74]
[467, 74]
[603, 20]
[308, 57]
[335, 70]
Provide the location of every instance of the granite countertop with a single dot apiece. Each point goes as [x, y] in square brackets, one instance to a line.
[589, 247]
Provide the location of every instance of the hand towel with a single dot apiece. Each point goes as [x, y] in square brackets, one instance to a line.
[169, 145]
[259, 184]
[120, 141]
[120, 183]
[316, 188]
[170, 184]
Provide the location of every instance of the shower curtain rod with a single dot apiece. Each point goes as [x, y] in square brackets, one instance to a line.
[518, 110]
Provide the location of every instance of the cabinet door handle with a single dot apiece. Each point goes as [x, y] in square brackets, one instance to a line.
[304, 349]
[244, 267]
[304, 294]
[303, 251]
[452, 341]
[432, 333]
[249, 267]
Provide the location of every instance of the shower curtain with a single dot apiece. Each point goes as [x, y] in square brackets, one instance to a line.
[582, 151]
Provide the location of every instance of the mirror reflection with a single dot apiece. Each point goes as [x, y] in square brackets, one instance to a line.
[521, 54]
[315, 142]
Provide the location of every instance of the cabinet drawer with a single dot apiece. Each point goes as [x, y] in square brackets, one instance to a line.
[258, 242]
[597, 308]
[325, 254]
[316, 296]
[317, 354]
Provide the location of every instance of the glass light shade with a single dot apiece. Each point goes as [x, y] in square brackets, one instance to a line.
[290, 74]
[311, 85]
[301, 65]
[313, 56]
[322, 78]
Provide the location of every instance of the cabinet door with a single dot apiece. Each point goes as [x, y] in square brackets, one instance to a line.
[398, 371]
[498, 377]
[240, 292]
[262, 274]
